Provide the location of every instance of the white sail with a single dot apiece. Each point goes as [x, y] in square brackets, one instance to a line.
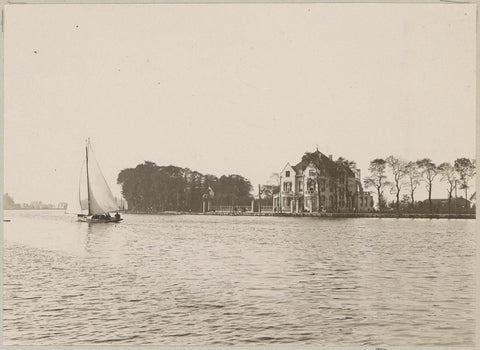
[83, 190]
[100, 197]
[78, 204]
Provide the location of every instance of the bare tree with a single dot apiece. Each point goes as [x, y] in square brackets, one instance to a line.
[449, 175]
[274, 179]
[429, 171]
[413, 178]
[465, 168]
[377, 179]
[397, 167]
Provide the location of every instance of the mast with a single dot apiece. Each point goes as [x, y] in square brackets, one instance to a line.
[88, 181]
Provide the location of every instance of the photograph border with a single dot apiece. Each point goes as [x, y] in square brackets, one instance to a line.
[4, 3]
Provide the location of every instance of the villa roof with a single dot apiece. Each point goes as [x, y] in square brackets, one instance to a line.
[321, 161]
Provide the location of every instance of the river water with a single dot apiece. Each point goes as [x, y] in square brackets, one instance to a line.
[203, 280]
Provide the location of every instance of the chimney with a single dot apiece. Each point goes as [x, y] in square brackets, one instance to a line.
[330, 156]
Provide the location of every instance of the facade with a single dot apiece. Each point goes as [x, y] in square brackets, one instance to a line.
[318, 184]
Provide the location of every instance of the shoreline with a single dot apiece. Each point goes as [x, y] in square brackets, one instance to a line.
[320, 215]
[34, 209]
[375, 215]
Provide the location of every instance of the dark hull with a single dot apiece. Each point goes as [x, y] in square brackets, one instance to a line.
[85, 218]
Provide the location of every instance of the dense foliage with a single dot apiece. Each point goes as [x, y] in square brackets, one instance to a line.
[152, 188]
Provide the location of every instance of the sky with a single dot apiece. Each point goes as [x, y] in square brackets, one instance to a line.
[232, 88]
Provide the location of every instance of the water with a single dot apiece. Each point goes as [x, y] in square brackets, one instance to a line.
[203, 280]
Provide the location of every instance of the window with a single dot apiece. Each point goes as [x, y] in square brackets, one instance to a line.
[287, 173]
[311, 185]
[287, 186]
[300, 186]
[322, 185]
[312, 172]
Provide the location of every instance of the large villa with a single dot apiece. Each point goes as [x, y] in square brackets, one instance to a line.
[318, 183]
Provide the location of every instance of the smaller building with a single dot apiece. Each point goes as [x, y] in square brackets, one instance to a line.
[207, 199]
[364, 201]
[458, 205]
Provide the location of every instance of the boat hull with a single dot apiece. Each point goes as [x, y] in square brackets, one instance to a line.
[86, 218]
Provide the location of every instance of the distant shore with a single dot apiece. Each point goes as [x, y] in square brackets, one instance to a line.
[325, 215]
[33, 208]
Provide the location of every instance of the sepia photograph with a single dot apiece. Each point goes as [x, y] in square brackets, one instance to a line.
[239, 174]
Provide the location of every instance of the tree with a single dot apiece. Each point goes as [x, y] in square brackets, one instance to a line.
[274, 179]
[152, 188]
[377, 179]
[465, 168]
[344, 166]
[429, 171]
[398, 168]
[8, 202]
[449, 175]
[233, 190]
[140, 188]
[267, 192]
[413, 178]
[405, 200]
[352, 165]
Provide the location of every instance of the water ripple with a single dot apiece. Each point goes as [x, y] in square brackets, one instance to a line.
[200, 280]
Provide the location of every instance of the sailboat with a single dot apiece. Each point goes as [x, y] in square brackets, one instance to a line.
[95, 197]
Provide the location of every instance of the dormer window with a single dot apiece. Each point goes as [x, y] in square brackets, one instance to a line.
[287, 173]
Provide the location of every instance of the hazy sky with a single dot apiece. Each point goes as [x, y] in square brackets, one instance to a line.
[231, 88]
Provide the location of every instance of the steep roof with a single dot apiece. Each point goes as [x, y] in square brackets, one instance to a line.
[288, 165]
[321, 161]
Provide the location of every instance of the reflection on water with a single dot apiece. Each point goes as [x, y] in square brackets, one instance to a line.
[237, 280]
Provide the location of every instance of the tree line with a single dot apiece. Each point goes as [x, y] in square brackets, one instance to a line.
[152, 188]
[410, 175]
